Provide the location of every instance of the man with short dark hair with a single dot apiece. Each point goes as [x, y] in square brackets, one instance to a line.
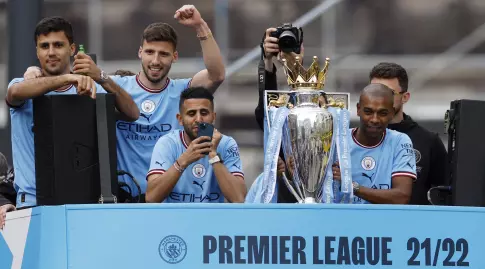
[186, 168]
[431, 156]
[54, 45]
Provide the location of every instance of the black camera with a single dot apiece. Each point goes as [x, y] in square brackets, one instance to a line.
[289, 39]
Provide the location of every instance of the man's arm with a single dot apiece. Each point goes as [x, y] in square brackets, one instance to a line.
[270, 50]
[214, 74]
[83, 64]
[400, 193]
[232, 186]
[128, 111]
[162, 175]
[17, 93]
[161, 183]
[165, 170]
[228, 172]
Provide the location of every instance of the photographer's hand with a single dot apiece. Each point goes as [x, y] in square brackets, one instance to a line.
[271, 49]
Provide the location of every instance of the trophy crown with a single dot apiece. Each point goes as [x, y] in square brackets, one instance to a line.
[299, 78]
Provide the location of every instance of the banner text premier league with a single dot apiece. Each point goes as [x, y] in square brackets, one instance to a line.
[336, 250]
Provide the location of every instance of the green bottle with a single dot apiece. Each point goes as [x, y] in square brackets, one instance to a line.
[81, 50]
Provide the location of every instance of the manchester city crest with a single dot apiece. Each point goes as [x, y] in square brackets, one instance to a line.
[368, 163]
[148, 106]
[172, 249]
[198, 171]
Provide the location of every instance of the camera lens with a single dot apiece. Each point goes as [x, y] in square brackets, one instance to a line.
[287, 41]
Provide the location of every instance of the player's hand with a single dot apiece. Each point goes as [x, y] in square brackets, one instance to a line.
[32, 72]
[84, 65]
[270, 44]
[336, 171]
[3, 213]
[281, 166]
[321, 101]
[197, 150]
[84, 85]
[216, 138]
[188, 15]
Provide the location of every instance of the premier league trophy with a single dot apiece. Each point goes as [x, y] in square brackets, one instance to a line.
[308, 136]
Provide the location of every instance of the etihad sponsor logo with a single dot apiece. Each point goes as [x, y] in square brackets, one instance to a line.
[135, 131]
[142, 128]
[194, 198]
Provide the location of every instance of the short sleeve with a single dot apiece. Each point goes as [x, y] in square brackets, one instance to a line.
[162, 156]
[14, 81]
[231, 159]
[404, 159]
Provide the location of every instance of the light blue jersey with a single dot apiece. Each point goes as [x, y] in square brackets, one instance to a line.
[198, 183]
[374, 167]
[158, 116]
[22, 122]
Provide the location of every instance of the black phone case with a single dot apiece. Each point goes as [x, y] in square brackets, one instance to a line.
[205, 129]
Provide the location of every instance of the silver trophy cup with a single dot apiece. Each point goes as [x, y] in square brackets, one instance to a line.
[307, 140]
[306, 146]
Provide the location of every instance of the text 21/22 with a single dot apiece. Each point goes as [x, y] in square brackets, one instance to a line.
[457, 252]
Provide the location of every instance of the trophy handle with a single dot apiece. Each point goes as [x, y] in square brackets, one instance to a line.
[291, 189]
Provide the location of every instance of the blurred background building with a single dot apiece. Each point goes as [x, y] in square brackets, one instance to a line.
[440, 43]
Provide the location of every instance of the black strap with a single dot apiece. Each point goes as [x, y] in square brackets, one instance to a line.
[261, 69]
[104, 105]
[261, 45]
[261, 76]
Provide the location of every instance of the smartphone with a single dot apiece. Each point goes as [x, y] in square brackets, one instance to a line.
[205, 129]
